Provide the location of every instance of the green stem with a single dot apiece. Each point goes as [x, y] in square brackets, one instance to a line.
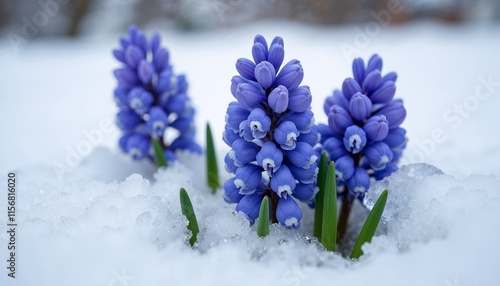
[344, 216]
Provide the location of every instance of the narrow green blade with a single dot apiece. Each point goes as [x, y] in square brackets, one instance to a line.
[263, 226]
[188, 211]
[371, 224]
[329, 223]
[212, 170]
[158, 152]
[318, 205]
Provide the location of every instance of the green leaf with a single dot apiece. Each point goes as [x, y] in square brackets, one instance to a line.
[371, 224]
[212, 170]
[263, 225]
[158, 152]
[329, 220]
[318, 208]
[188, 211]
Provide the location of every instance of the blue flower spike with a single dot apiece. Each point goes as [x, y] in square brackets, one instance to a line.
[272, 135]
[148, 93]
[366, 118]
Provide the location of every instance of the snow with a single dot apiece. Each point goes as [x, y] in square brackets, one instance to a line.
[88, 215]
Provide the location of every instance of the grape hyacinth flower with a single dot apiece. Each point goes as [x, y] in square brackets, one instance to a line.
[363, 135]
[151, 99]
[271, 132]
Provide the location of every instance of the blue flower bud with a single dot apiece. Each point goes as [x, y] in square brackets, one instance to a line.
[265, 74]
[140, 100]
[127, 119]
[245, 132]
[161, 59]
[358, 70]
[146, 72]
[229, 164]
[126, 77]
[259, 52]
[376, 128]
[178, 104]
[276, 55]
[248, 178]
[283, 182]
[305, 192]
[234, 83]
[231, 193]
[138, 146]
[124, 43]
[269, 158]
[350, 87]
[229, 135]
[302, 156]
[360, 106]
[141, 41]
[359, 183]
[278, 99]
[288, 213]
[386, 172]
[304, 121]
[378, 155]
[312, 138]
[183, 124]
[334, 147]
[395, 113]
[163, 83]
[123, 141]
[154, 42]
[133, 55]
[324, 132]
[245, 68]
[249, 206]
[396, 137]
[260, 39]
[291, 75]
[337, 98]
[157, 121]
[132, 32]
[392, 76]
[385, 93]
[259, 123]
[286, 135]
[236, 113]
[121, 96]
[119, 55]
[300, 99]
[344, 167]
[372, 81]
[249, 95]
[305, 176]
[242, 152]
[354, 139]
[278, 40]
[339, 119]
[374, 63]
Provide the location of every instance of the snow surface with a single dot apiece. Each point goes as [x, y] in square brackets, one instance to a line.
[107, 220]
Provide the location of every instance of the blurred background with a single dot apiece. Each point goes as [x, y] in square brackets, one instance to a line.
[78, 17]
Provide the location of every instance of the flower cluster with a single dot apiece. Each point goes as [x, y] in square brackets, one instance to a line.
[271, 132]
[151, 98]
[363, 136]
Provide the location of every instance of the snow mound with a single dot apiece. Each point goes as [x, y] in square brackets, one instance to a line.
[135, 229]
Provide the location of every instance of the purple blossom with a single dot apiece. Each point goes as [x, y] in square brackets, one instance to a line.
[271, 132]
[363, 136]
[148, 93]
